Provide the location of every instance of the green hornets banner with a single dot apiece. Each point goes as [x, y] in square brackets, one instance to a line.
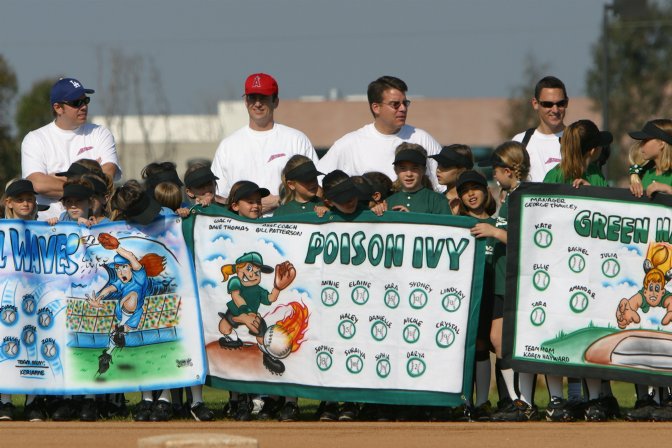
[374, 309]
[109, 309]
[588, 283]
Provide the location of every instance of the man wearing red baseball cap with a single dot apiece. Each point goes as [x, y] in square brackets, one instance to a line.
[259, 151]
[51, 149]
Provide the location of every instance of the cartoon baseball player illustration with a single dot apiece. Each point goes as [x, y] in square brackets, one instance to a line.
[246, 297]
[130, 281]
[653, 293]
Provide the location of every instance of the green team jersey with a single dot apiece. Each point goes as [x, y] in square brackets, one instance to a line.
[649, 176]
[593, 175]
[295, 207]
[499, 249]
[422, 201]
[253, 295]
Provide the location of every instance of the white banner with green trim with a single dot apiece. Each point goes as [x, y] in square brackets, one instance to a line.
[588, 283]
[375, 309]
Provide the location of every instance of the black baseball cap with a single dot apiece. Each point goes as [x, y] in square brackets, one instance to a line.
[345, 191]
[144, 210]
[164, 176]
[468, 177]
[199, 176]
[78, 191]
[410, 155]
[494, 160]
[20, 186]
[449, 157]
[75, 169]
[651, 131]
[247, 188]
[304, 172]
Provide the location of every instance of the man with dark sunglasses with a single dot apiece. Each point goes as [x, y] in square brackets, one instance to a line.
[550, 103]
[371, 148]
[52, 148]
[259, 151]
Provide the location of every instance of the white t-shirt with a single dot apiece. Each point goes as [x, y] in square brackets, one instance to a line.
[50, 150]
[258, 156]
[366, 150]
[544, 151]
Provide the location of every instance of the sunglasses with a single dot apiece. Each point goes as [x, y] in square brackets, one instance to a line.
[397, 104]
[77, 103]
[549, 104]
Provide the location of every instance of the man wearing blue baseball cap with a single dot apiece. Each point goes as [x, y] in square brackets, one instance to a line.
[52, 148]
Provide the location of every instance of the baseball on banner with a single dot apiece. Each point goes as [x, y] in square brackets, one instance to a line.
[277, 342]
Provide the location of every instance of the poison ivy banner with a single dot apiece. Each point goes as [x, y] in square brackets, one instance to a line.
[588, 283]
[108, 309]
[374, 309]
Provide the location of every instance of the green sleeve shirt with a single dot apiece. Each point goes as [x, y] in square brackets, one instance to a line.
[253, 295]
[593, 175]
[295, 207]
[422, 201]
[649, 176]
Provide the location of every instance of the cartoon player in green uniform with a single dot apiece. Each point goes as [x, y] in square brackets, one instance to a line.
[246, 297]
[653, 293]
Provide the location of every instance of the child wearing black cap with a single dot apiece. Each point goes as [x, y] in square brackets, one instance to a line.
[200, 185]
[651, 159]
[99, 199]
[452, 161]
[414, 193]
[77, 202]
[245, 199]
[477, 201]
[299, 179]
[342, 195]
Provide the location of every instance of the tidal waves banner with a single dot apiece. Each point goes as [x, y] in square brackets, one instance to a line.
[112, 308]
[588, 283]
[376, 309]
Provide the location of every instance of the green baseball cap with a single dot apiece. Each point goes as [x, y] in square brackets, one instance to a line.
[255, 259]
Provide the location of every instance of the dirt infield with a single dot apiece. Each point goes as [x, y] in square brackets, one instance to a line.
[344, 435]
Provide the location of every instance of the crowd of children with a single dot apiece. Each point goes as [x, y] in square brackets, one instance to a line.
[90, 198]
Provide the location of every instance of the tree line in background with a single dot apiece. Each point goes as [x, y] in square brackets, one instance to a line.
[640, 88]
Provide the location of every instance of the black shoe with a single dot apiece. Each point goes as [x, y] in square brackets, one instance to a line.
[481, 413]
[270, 409]
[64, 412]
[595, 412]
[226, 342]
[34, 412]
[643, 410]
[113, 406]
[143, 410]
[119, 336]
[244, 411]
[202, 413]
[664, 412]
[104, 362]
[348, 412]
[162, 412]
[274, 366]
[610, 405]
[231, 409]
[289, 412]
[328, 411]
[88, 411]
[7, 411]
[517, 411]
[558, 410]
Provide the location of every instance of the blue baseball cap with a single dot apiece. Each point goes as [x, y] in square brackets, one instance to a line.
[67, 89]
[118, 259]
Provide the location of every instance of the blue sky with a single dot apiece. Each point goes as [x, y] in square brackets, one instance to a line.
[204, 49]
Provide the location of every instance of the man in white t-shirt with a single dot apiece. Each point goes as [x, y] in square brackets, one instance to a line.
[53, 148]
[258, 152]
[543, 143]
[371, 148]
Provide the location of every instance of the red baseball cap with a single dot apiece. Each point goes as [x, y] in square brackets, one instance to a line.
[261, 84]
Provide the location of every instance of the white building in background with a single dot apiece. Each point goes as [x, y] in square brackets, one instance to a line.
[180, 138]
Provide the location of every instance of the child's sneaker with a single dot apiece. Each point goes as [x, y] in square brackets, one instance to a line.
[289, 412]
[517, 411]
[595, 412]
[558, 410]
[201, 412]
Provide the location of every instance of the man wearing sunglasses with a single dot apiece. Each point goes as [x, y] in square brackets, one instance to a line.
[259, 151]
[48, 152]
[550, 103]
[371, 148]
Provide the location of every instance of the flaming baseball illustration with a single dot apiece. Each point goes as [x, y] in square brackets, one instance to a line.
[286, 335]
